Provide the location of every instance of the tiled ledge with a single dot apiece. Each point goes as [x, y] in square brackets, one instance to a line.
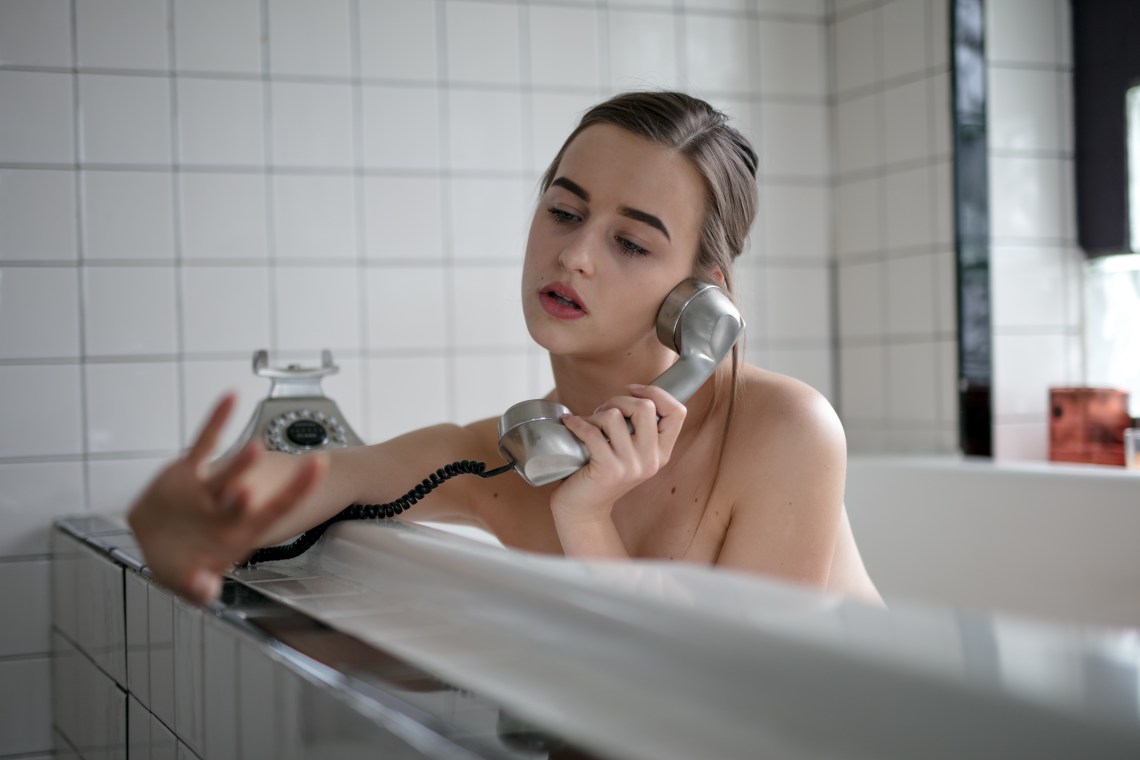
[245, 677]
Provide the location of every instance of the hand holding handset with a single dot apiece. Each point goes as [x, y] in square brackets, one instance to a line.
[697, 320]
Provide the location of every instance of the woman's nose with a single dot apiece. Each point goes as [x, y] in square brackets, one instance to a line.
[577, 254]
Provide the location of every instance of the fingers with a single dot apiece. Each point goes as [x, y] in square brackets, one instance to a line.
[310, 469]
[208, 437]
[232, 468]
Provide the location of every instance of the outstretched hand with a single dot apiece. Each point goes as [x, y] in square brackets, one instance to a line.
[196, 519]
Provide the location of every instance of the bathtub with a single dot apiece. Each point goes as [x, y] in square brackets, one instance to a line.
[1053, 541]
[669, 660]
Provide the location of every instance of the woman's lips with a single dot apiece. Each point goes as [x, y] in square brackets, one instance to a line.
[561, 301]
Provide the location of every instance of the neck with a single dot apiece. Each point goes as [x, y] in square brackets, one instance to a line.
[582, 384]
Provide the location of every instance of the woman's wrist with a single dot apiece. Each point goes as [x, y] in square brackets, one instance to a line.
[588, 534]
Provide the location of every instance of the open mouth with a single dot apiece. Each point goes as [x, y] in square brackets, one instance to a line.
[560, 301]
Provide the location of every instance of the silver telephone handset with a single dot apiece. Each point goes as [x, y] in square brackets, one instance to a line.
[697, 320]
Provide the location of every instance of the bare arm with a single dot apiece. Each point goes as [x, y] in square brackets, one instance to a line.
[196, 519]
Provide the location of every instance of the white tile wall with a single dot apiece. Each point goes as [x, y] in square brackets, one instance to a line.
[313, 166]
[895, 284]
[1036, 265]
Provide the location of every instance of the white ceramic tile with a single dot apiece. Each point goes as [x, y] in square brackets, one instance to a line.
[131, 407]
[553, 117]
[138, 728]
[46, 411]
[129, 310]
[35, 34]
[39, 312]
[407, 394]
[330, 317]
[114, 484]
[809, 8]
[642, 49]
[257, 690]
[1025, 367]
[1063, 18]
[220, 122]
[947, 357]
[401, 127]
[122, 34]
[309, 39]
[1025, 198]
[37, 214]
[794, 140]
[857, 133]
[35, 493]
[395, 294]
[910, 295]
[223, 216]
[25, 712]
[942, 180]
[490, 218]
[225, 309]
[564, 46]
[862, 393]
[218, 35]
[160, 608]
[796, 222]
[163, 743]
[1021, 31]
[220, 685]
[36, 123]
[940, 115]
[25, 586]
[127, 215]
[811, 365]
[482, 42]
[749, 292]
[866, 438]
[488, 309]
[312, 124]
[135, 596]
[903, 36]
[1024, 109]
[124, 119]
[938, 23]
[485, 130]
[188, 694]
[798, 303]
[397, 39]
[857, 227]
[945, 290]
[403, 218]
[718, 53]
[906, 122]
[855, 50]
[1029, 287]
[908, 206]
[204, 382]
[314, 217]
[1021, 441]
[486, 386]
[793, 58]
[739, 6]
[860, 299]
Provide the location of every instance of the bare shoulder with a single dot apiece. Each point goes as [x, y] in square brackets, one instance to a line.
[785, 463]
[785, 420]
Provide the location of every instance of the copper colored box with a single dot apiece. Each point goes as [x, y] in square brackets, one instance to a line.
[1087, 425]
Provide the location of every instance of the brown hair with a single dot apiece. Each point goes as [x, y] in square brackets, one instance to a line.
[719, 152]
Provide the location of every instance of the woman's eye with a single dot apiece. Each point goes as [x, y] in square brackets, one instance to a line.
[630, 247]
[561, 216]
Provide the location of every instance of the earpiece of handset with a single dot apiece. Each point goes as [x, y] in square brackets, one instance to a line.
[697, 320]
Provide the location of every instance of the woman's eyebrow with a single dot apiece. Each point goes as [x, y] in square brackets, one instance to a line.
[632, 213]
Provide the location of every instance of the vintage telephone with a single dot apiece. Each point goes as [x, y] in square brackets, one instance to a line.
[697, 320]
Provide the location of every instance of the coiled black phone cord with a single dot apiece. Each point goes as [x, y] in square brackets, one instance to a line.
[305, 541]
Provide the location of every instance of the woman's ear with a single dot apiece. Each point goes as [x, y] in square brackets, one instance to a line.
[716, 276]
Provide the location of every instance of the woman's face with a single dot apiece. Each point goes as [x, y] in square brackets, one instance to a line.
[615, 232]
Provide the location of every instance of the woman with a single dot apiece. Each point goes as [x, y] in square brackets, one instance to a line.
[650, 189]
